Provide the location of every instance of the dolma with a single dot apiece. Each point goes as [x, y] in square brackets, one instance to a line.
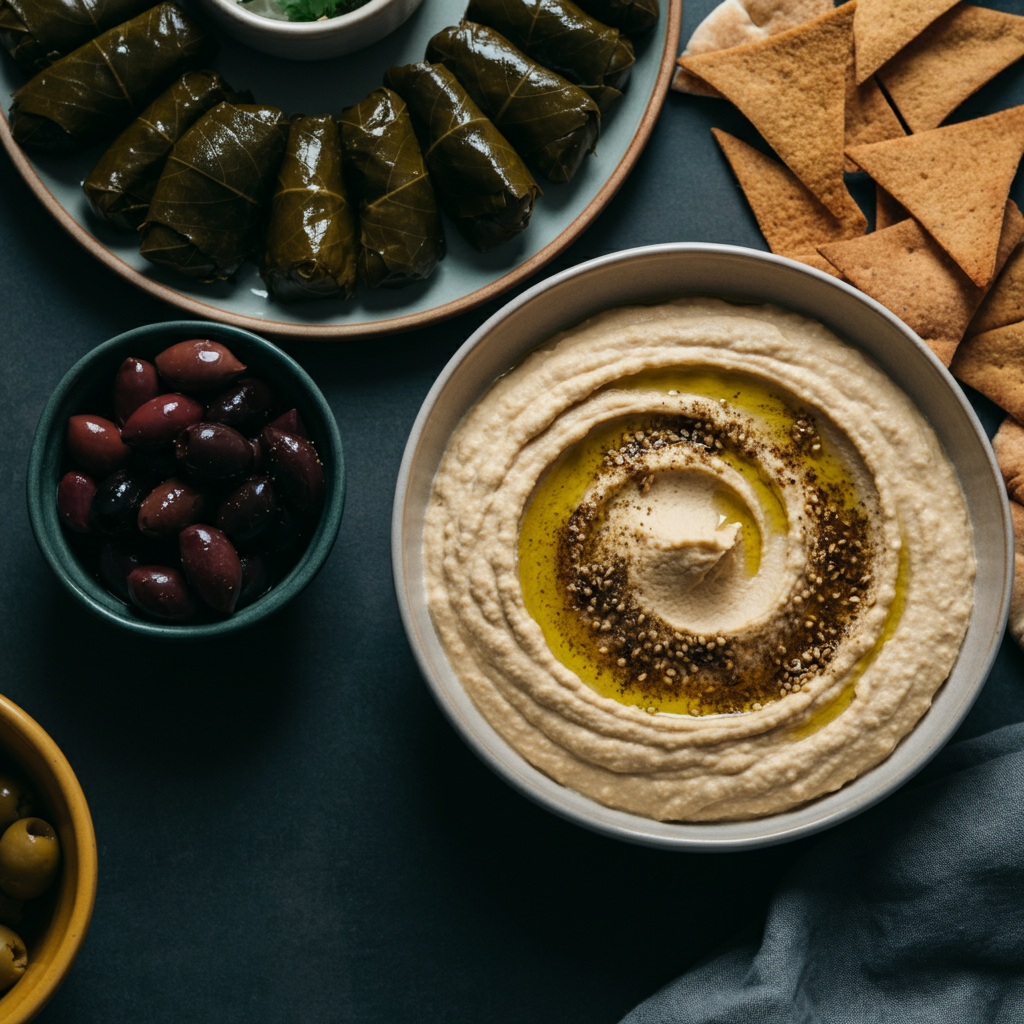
[38, 32]
[481, 182]
[208, 210]
[551, 122]
[310, 251]
[562, 37]
[94, 91]
[400, 235]
[626, 15]
[121, 185]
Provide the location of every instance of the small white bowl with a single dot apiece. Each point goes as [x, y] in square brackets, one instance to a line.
[656, 273]
[309, 40]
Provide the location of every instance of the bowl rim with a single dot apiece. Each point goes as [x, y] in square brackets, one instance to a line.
[856, 796]
[84, 897]
[43, 517]
[295, 30]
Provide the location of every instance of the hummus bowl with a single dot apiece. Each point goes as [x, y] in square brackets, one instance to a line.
[721, 563]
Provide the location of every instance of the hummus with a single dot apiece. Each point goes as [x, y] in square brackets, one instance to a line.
[699, 561]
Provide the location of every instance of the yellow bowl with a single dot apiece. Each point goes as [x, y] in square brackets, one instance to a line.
[51, 952]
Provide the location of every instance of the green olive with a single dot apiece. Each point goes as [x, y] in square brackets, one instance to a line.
[29, 858]
[15, 802]
[13, 957]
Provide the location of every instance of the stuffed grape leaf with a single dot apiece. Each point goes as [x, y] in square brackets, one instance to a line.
[562, 37]
[627, 15]
[400, 235]
[481, 182]
[310, 250]
[94, 91]
[207, 212]
[551, 122]
[121, 185]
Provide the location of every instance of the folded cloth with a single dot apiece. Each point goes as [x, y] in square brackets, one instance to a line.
[913, 912]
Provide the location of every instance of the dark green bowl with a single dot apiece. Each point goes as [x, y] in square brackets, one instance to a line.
[87, 387]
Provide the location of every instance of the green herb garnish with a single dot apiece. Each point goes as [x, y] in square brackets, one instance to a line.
[314, 10]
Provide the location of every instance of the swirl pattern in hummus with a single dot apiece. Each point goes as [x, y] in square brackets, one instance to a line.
[699, 561]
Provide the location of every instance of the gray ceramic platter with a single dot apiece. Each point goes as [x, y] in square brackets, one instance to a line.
[652, 274]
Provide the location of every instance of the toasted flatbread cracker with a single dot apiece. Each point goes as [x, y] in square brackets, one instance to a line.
[790, 217]
[1015, 623]
[792, 87]
[735, 22]
[993, 363]
[887, 210]
[816, 260]
[883, 27]
[955, 181]
[1008, 444]
[1004, 303]
[904, 269]
[869, 117]
[949, 61]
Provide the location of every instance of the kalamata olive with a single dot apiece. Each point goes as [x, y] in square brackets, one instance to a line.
[248, 510]
[170, 507]
[74, 499]
[198, 365]
[29, 858]
[115, 505]
[13, 957]
[257, 454]
[135, 384]
[161, 592]
[212, 566]
[284, 535]
[159, 421]
[247, 405]
[213, 451]
[10, 910]
[291, 423]
[15, 801]
[116, 561]
[96, 445]
[256, 579]
[295, 465]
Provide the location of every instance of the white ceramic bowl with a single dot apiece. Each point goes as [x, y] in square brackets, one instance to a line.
[310, 40]
[651, 274]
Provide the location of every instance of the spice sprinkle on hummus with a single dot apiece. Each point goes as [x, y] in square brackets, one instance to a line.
[699, 561]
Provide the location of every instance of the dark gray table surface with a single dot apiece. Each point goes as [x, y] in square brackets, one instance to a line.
[288, 829]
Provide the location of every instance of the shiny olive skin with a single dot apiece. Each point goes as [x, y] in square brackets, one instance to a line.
[170, 507]
[74, 499]
[214, 452]
[247, 405]
[162, 593]
[257, 576]
[15, 801]
[96, 445]
[249, 510]
[116, 561]
[212, 566]
[159, 421]
[198, 365]
[29, 858]
[115, 506]
[296, 467]
[291, 423]
[135, 384]
[13, 957]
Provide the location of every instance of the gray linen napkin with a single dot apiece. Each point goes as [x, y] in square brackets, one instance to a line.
[913, 912]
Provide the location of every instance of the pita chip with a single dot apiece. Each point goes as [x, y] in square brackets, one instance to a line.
[789, 216]
[816, 260]
[735, 22]
[1004, 303]
[1008, 444]
[951, 59]
[792, 87]
[887, 210]
[1015, 623]
[883, 27]
[993, 363]
[869, 117]
[955, 181]
[904, 269]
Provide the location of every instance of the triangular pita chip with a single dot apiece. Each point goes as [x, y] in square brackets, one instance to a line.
[1008, 444]
[789, 216]
[792, 87]
[735, 22]
[1015, 623]
[883, 27]
[887, 210]
[955, 181]
[907, 272]
[993, 363]
[816, 260]
[869, 117]
[1004, 303]
[953, 58]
